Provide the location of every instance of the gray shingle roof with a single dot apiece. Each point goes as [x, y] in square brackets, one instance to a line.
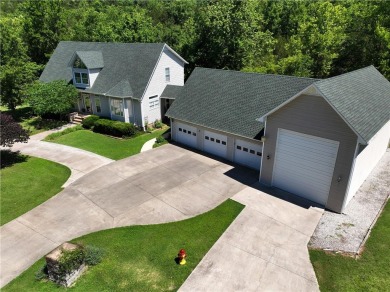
[231, 101]
[127, 67]
[361, 97]
[171, 91]
[91, 59]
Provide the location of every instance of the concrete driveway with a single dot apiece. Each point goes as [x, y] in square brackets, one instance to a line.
[79, 161]
[264, 248]
[162, 185]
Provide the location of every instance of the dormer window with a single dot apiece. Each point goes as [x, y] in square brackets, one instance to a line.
[86, 66]
[81, 78]
[79, 64]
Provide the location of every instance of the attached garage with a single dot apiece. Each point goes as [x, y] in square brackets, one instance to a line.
[215, 144]
[248, 154]
[304, 165]
[319, 138]
[186, 134]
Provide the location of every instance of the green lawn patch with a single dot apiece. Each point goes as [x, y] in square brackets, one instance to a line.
[28, 182]
[371, 272]
[142, 258]
[104, 145]
[25, 117]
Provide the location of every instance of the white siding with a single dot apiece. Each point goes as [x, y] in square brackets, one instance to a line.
[157, 83]
[367, 159]
[93, 74]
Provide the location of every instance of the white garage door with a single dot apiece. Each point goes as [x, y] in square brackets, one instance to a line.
[304, 165]
[215, 144]
[186, 134]
[248, 154]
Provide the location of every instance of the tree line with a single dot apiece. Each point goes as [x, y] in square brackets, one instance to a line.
[302, 38]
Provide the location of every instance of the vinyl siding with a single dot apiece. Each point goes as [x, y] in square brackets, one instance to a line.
[367, 159]
[157, 83]
[312, 115]
[93, 74]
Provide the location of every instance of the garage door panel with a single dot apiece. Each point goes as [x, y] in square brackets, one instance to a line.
[295, 149]
[304, 164]
[252, 160]
[186, 134]
[215, 144]
[307, 163]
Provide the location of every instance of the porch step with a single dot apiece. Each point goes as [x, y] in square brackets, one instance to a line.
[77, 119]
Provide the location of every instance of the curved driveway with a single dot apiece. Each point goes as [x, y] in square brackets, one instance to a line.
[79, 161]
[166, 184]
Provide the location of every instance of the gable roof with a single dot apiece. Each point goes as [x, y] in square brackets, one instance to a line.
[127, 66]
[171, 91]
[361, 98]
[230, 101]
[91, 59]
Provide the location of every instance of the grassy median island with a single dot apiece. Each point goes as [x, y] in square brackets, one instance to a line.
[142, 258]
[104, 145]
[27, 182]
[371, 272]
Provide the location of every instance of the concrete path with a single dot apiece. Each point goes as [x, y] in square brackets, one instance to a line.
[166, 184]
[79, 161]
[264, 249]
[148, 145]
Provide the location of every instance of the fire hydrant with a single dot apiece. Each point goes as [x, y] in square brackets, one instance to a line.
[181, 256]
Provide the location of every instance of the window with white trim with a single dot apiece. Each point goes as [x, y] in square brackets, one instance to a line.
[154, 102]
[81, 78]
[167, 75]
[117, 107]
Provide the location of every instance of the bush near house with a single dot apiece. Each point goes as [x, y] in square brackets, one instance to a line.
[114, 128]
[89, 122]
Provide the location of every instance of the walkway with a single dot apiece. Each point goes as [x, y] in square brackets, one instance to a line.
[79, 161]
[148, 145]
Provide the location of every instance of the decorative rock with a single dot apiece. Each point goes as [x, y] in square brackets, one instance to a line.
[53, 265]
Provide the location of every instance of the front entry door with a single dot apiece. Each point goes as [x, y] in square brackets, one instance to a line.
[85, 103]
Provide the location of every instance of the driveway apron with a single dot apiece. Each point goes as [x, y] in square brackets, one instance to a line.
[264, 249]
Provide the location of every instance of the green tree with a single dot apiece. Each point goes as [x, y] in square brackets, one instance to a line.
[43, 27]
[56, 97]
[15, 77]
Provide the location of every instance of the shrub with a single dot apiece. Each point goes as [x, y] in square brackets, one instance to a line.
[70, 260]
[114, 128]
[160, 139]
[41, 273]
[89, 122]
[93, 255]
[158, 124]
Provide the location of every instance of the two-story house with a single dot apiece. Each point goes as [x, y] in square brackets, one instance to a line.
[121, 81]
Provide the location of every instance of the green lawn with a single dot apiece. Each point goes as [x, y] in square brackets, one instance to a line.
[25, 117]
[142, 258]
[104, 145]
[369, 273]
[26, 184]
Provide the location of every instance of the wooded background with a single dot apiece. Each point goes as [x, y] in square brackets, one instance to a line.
[301, 38]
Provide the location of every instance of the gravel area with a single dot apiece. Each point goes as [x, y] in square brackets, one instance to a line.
[347, 232]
